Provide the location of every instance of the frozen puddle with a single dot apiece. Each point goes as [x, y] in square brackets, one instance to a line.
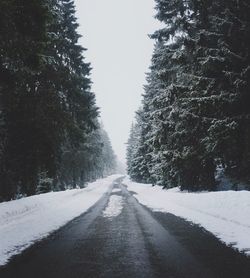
[114, 207]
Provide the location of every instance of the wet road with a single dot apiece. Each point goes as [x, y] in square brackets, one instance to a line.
[118, 237]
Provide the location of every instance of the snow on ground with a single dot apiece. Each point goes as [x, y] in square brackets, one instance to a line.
[114, 207]
[24, 221]
[225, 214]
[116, 190]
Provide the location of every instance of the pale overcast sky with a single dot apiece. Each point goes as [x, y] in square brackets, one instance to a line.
[115, 32]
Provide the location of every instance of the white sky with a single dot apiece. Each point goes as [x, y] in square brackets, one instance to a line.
[115, 32]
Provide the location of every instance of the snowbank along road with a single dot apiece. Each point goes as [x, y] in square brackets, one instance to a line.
[28, 220]
[118, 237]
[224, 213]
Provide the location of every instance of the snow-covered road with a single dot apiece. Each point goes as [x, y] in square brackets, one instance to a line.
[24, 221]
[118, 237]
[225, 214]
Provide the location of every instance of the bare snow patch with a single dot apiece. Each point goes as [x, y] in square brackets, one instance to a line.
[114, 207]
[225, 213]
[24, 221]
[116, 190]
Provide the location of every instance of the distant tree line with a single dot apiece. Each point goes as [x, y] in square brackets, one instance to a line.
[195, 114]
[50, 138]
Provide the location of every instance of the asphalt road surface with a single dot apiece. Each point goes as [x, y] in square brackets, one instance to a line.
[125, 239]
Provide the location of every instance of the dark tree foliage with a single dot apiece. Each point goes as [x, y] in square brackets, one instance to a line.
[196, 104]
[137, 156]
[94, 158]
[47, 110]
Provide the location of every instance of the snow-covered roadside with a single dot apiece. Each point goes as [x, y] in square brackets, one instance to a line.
[24, 221]
[225, 214]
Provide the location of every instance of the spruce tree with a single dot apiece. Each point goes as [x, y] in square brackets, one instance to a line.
[23, 39]
[47, 109]
[195, 111]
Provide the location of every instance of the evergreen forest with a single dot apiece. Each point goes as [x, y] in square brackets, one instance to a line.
[194, 120]
[50, 134]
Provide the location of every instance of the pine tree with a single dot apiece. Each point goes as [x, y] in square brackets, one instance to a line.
[219, 63]
[23, 36]
[47, 109]
[196, 106]
[137, 156]
[170, 138]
